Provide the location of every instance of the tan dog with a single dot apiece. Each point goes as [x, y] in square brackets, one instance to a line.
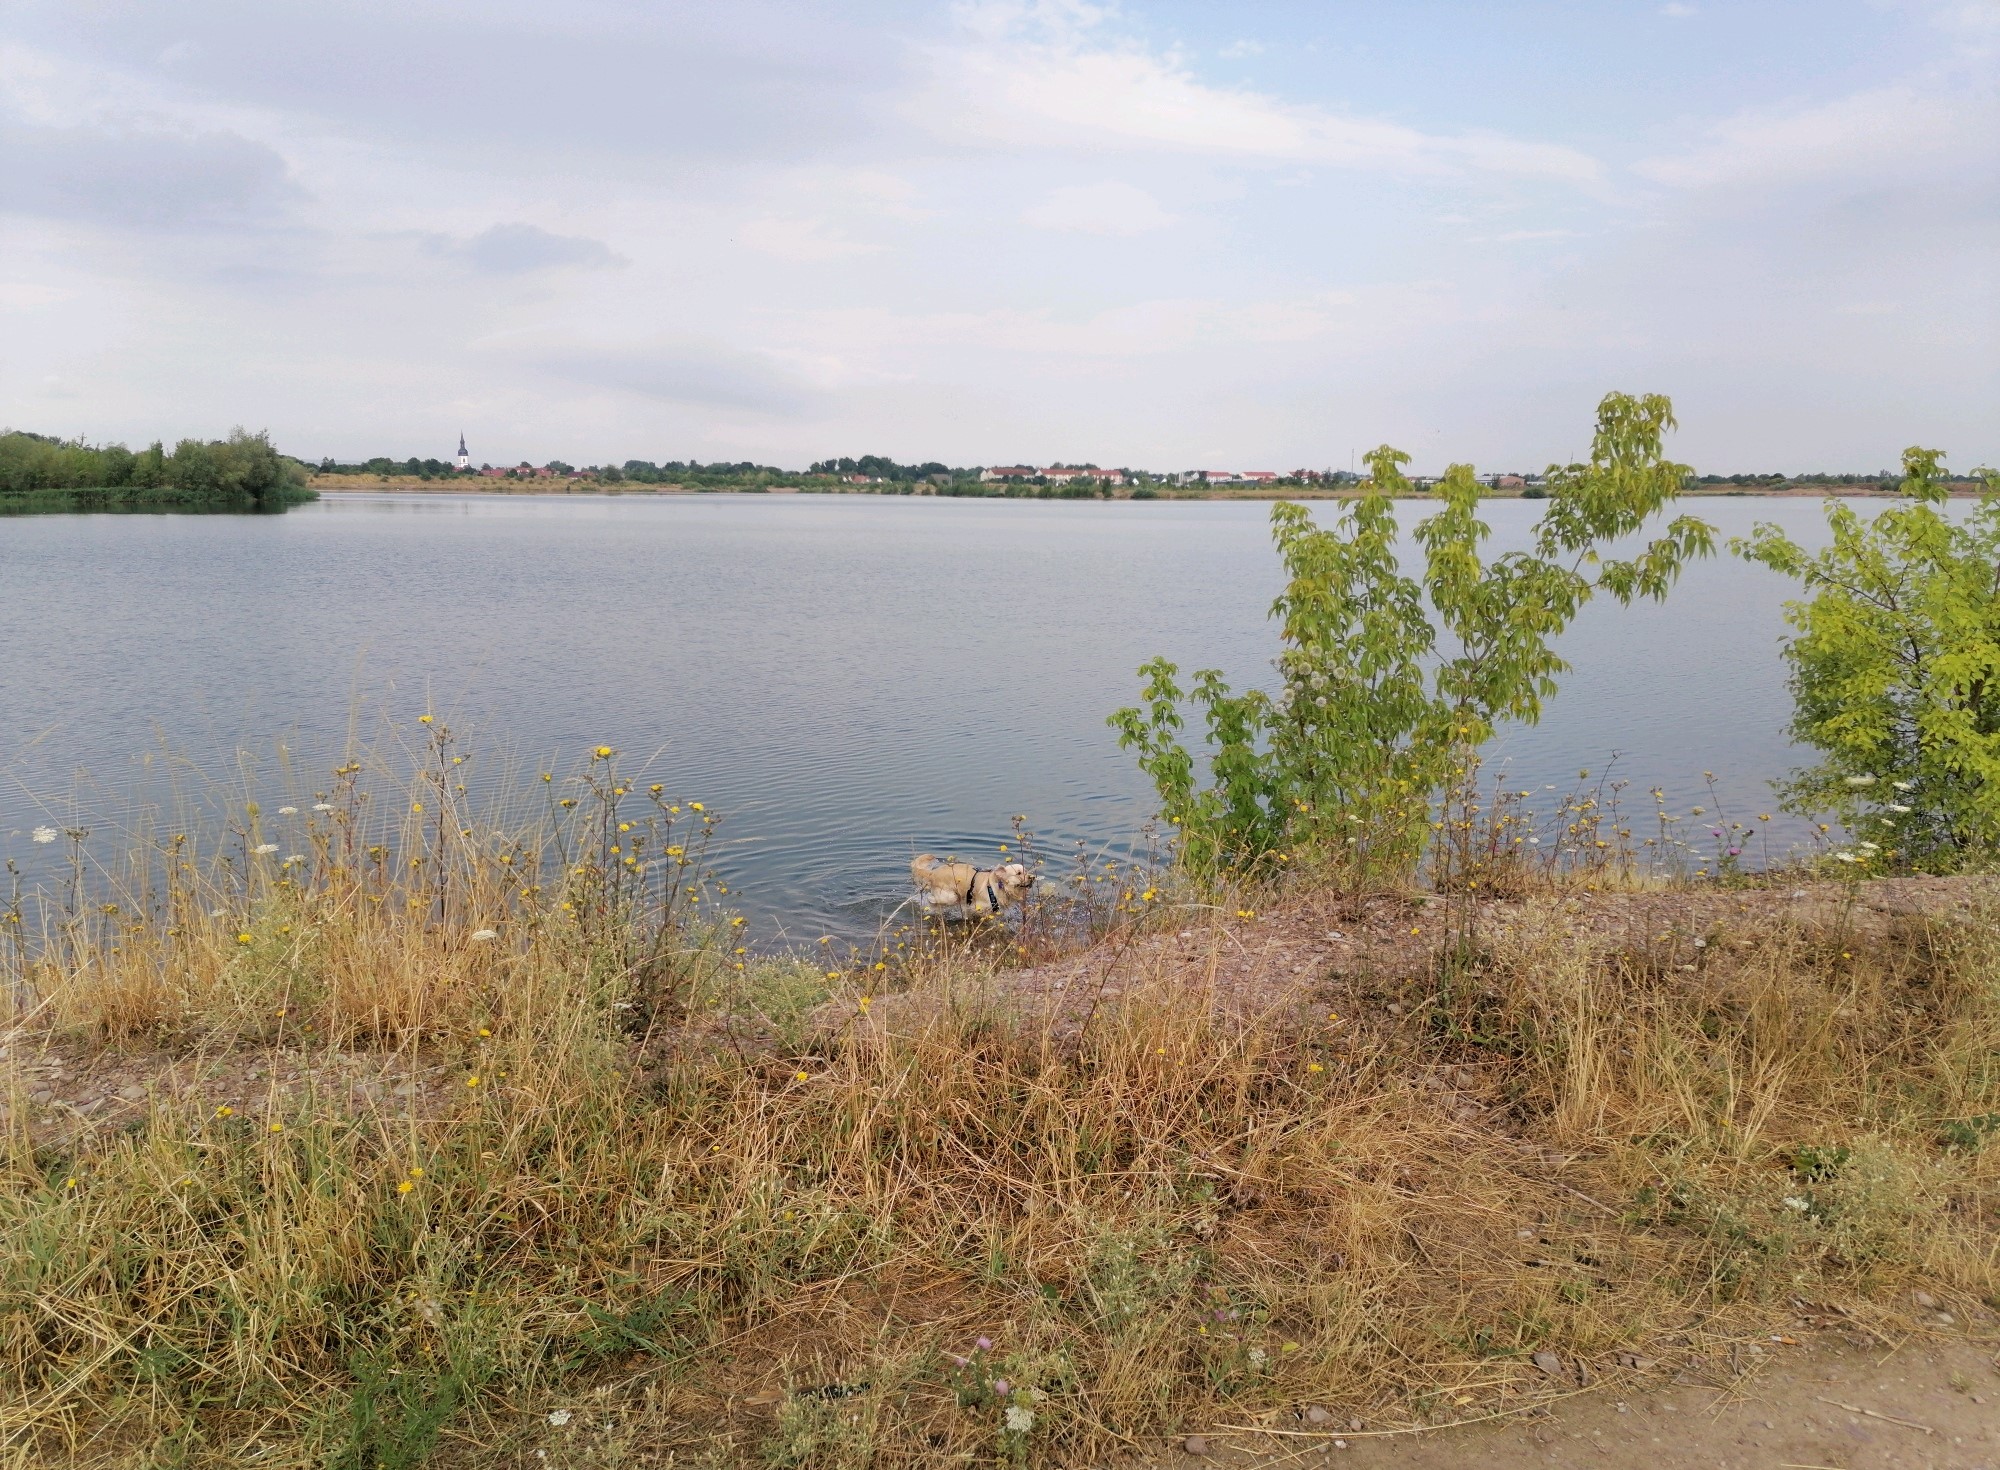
[977, 891]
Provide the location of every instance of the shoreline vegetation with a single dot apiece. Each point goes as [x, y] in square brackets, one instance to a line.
[243, 473]
[393, 1134]
[377, 1130]
[417, 485]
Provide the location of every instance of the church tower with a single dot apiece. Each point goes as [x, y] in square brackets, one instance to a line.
[464, 460]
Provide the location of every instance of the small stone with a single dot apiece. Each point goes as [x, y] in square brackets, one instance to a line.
[1945, 1319]
[134, 1093]
[40, 1095]
[1925, 1300]
[1317, 1415]
[1195, 1444]
[1353, 1426]
[1550, 1364]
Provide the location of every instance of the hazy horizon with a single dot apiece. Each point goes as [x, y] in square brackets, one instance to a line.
[1158, 234]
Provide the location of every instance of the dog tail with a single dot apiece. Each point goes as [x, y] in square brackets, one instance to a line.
[925, 862]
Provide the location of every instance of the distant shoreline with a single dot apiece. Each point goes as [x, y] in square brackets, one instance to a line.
[413, 485]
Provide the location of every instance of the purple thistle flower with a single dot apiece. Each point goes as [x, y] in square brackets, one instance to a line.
[1002, 1386]
[984, 1344]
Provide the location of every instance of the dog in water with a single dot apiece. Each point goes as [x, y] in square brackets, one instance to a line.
[980, 892]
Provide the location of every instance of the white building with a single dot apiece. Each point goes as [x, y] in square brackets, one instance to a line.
[464, 460]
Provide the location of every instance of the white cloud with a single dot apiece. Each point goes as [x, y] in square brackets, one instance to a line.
[1678, 11]
[31, 295]
[1145, 328]
[1072, 92]
[1241, 50]
[803, 240]
[1884, 135]
[689, 372]
[1099, 209]
[517, 249]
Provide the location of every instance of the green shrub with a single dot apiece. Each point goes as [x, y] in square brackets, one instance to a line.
[1895, 671]
[1389, 682]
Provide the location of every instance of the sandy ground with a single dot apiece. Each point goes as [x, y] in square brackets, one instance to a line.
[1826, 1404]
[1319, 950]
[1360, 955]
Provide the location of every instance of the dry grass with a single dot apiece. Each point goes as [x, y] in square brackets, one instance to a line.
[686, 1249]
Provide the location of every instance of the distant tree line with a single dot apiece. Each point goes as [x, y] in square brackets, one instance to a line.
[242, 472]
[1881, 479]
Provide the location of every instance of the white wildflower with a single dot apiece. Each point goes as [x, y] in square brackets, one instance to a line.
[288, 811]
[1898, 808]
[558, 1417]
[1701, 944]
[1869, 847]
[1857, 782]
[322, 806]
[264, 847]
[216, 913]
[485, 936]
[295, 859]
[1258, 1357]
[1793, 1202]
[1019, 1420]
[45, 834]
[1904, 785]
[1847, 857]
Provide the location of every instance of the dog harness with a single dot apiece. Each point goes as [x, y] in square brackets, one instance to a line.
[972, 888]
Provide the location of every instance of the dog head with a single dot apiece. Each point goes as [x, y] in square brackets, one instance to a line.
[1015, 879]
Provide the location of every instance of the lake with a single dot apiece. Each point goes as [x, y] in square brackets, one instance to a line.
[848, 680]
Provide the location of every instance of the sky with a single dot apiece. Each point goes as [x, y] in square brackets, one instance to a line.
[1263, 235]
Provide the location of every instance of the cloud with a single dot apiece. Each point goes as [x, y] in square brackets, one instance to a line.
[1887, 136]
[692, 373]
[1677, 11]
[141, 177]
[1099, 209]
[1059, 89]
[31, 295]
[1145, 328]
[1241, 50]
[799, 239]
[517, 249]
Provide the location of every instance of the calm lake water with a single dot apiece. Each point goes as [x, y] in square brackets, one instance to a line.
[848, 680]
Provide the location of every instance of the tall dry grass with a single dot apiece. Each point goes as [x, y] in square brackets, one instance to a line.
[619, 1236]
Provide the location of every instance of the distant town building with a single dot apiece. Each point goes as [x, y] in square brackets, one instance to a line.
[1509, 482]
[1009, 472]
[464, 460]
[1225, 477]
[1063, 474]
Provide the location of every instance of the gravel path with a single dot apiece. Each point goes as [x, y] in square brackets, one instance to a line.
[1824, 1405]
